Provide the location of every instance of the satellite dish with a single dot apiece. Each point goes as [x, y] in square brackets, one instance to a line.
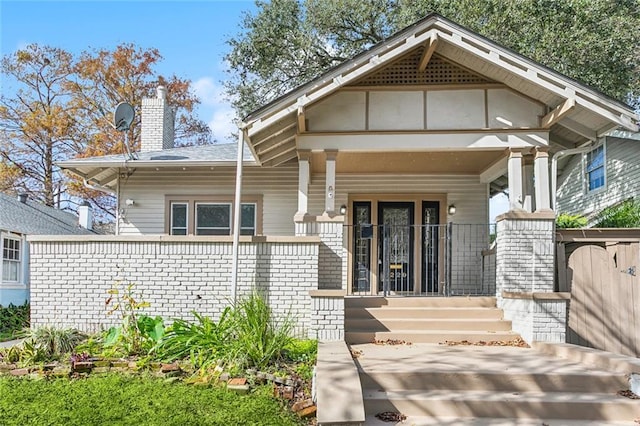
[123, 116]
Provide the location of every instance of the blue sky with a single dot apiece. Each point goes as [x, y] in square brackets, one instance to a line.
[190, 35]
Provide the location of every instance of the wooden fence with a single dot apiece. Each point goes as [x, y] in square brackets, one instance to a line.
[601, 269]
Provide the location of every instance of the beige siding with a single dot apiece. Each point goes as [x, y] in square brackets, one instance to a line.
[466, 192]
[621, 182]
[278, 187]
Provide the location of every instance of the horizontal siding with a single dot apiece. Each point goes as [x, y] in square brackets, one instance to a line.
[278, 187]
[622, 179]
[466, 192]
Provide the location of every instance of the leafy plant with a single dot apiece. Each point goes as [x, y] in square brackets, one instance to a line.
[13, 319]
[565, 221]
[623, 215]
[261, 338]
[137, 333]
[52, 342]
[204, 340]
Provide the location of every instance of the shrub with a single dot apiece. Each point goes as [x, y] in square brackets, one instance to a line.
[623, 215]
[51, 341]
[565, 220]
[13, 319]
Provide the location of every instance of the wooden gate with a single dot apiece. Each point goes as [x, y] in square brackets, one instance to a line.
[604, 312]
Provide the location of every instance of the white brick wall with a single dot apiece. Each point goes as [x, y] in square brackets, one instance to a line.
[332, 261]
[70, 278]
[157, 122]
[525, 264]
[327, 318]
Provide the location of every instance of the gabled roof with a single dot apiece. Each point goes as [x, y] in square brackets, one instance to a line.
[583, 112]
[32, 218]
[103, 170]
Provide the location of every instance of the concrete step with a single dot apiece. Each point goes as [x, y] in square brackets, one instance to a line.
[490, 380]
[592, 357]
[430, 336]
[528, 405]
[421, 301]
[489, 421]
[390, 324]
[424, 312]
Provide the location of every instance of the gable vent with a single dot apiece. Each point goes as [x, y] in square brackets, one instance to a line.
[405, 72]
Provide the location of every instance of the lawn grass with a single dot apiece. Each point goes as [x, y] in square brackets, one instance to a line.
[112, 399]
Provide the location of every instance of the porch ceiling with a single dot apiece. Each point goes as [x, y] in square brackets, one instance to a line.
[450, 162]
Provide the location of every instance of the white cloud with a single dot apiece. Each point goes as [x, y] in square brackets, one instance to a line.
[215, 109]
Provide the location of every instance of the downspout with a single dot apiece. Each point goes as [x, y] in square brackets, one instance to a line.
[236, 215]
[98, 187]
[554, 167]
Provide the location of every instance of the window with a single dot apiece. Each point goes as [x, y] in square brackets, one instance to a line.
[11, 259]
[213, 219]
[595, 172]
[179, 213]
[211, 215]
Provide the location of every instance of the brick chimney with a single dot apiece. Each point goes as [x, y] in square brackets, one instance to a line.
[157, 123]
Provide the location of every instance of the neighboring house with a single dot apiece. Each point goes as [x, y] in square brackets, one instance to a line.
[604, 176]
[19, 218]
[372, 179]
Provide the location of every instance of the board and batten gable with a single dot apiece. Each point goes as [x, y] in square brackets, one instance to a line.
[622, 179]
[354, 109]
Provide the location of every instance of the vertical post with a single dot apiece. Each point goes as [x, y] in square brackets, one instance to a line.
[447, 284]
[330, 185]
[304, 174]
[515, 180]
[528, 185]
[543, 199]
[236, 216]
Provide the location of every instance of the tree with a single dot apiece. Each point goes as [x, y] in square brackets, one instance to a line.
[289, 42]
[62, 108]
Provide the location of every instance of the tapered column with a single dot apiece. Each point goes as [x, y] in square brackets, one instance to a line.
[515, 180]
[541, 166]
[304, 175]
[330, 184]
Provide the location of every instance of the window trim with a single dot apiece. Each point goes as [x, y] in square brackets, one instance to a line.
[586, 171]
[170, 210]
[21, 281]
[191, 201]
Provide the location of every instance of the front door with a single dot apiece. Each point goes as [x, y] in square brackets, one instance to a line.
[395, 247]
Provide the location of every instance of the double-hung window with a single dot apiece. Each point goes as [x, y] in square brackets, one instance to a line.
[211, 216]
[595, 169]
[11, 260]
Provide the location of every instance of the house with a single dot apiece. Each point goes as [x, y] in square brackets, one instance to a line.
[373, 179]
[604, 174]
[19, 218]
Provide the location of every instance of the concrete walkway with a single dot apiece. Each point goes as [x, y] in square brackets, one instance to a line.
[10, 343]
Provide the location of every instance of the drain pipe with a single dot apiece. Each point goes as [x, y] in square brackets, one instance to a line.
[554, 166]
[98, 187]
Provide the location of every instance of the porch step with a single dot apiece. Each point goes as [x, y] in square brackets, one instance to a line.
[388, 324]
[556, 405]
[420, 312]
[424, 302]
[427, 336]
[489, 385]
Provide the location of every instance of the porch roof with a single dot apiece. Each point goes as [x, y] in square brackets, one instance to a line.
[577, 113]
[103, 170]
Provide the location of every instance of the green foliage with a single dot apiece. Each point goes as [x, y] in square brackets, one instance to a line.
[204, 341]
[288, 42]
[304, 353]
[13, 319]
[123, 400]
[623, 215]
[261, 338]
[51, 342]
[138, 333]
[565, 221]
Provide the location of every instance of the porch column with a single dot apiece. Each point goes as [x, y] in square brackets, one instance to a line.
[528, 186]
[330, 186]
[515, 180]
[543, 199]
[304, 174]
